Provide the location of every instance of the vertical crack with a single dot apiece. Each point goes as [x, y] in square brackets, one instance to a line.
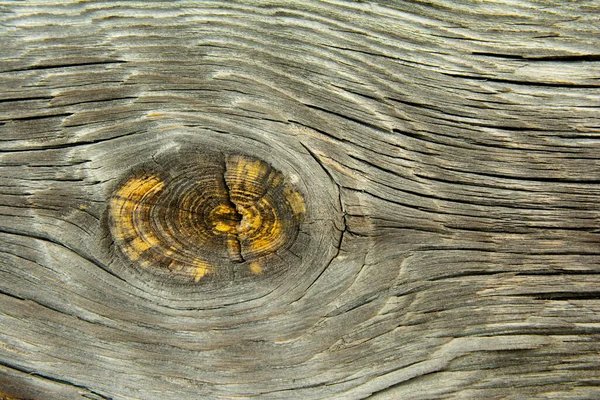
[234, 242]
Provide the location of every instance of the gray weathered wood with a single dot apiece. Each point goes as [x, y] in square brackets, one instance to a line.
[449, 156]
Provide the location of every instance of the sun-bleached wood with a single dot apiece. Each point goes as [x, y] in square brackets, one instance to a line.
[447, 153]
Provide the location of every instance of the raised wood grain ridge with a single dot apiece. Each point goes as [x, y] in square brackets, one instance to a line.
[447, 158]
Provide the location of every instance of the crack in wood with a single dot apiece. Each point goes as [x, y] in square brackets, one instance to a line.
[237, 219]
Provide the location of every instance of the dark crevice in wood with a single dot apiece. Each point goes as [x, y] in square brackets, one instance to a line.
[338, 187]
[345, 89]
[509, 128]
[21, 99]
[17, 256]
[557, 273]
[583, 295]
[46, 306]
[531, 84]
[465, 274]
[363, 301]
[504, 226]
[52, 179]
[564, 58]
[528, 178]
[70, 145]
[427, 107]
[51, 378]
[488, 332]
[38, 117]
[391, 201]
[418, 136]
[378, 167]
[368, 53]
[344, 229]
[14, 296]
[56, 66]
[390, 388]
[324, 133]
[239, 256]
[355, 142]
[349, 118]
[495, 249]
[453, 142]
[100, 101]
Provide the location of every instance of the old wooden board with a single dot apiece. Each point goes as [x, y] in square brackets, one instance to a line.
[299, 199]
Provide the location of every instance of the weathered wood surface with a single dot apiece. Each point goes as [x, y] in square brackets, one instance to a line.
[448, 153]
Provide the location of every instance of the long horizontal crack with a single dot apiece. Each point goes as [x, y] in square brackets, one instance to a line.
[51, 379]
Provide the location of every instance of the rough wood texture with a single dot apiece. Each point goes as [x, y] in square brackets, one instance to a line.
[447, 153]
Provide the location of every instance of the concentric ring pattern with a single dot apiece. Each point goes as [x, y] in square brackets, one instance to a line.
[217, 217]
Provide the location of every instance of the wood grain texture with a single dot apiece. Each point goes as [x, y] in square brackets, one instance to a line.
[447, 153]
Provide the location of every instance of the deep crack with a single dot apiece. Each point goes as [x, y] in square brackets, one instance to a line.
[237, 216]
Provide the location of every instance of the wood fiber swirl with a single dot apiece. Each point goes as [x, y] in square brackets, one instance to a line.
[217, 217]
[323, 199]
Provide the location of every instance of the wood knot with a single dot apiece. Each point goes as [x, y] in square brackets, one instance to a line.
[218, 216]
